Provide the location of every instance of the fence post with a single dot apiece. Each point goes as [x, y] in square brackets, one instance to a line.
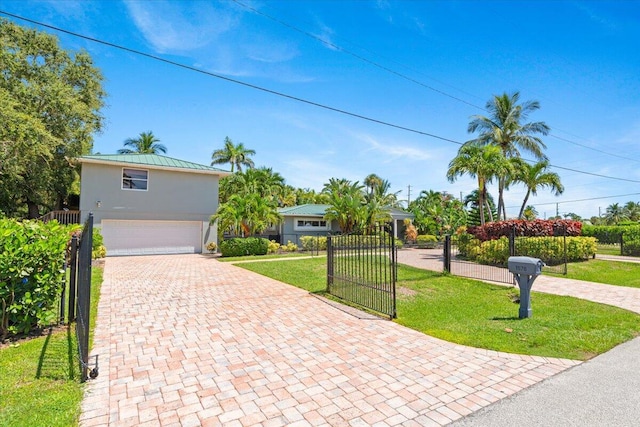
[622, 243]
[329, 263]
[447, 254]
[512, 242]
[73, 275]
[62, 294]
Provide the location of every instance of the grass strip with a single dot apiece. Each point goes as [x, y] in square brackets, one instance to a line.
[482, 315]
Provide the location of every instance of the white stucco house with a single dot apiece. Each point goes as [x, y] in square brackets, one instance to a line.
[150, 204]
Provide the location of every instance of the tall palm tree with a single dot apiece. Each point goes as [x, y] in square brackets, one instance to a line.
[372, 181]
[480, 162]
[614, 214]
[504, 128]
[632, 211]
[535, 177]
[145, 143]
[236, 155]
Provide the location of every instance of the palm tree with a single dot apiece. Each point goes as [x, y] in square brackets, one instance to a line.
[347, 204]
[614, 214]
[535, 177]
[372, 181]
[236, 155]
[145, 143]
[504, 128]
[632, 211]
[481, 162]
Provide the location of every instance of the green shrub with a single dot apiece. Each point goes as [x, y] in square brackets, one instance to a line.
[273, 247]
[468, 246]
[244, 246]
[289, 247]
[427, 241]
[98, 250]
[313, 243]
[606, 234]
[32, 257]
[549, 249]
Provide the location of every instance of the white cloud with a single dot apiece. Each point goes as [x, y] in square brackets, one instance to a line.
[393, 150]
[179, 27]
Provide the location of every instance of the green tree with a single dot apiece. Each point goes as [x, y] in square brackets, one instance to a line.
[614, 214]
[246, 215]
[632, 211]
[236, 155]
[504, 128]
[50, 101]
[145, 143]
[535, 177]
[437, 212]
[372, 181]
[530, 213]
[470, 201]
[347, 204]
[480, 162]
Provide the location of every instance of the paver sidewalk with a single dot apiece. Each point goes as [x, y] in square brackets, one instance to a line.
[185, 340]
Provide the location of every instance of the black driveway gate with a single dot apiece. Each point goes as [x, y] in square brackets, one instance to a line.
[362, 269]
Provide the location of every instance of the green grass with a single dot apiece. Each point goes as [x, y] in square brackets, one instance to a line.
[608, 249]
[270, 256]
[481, 315]
[40, 380]
[603, 271]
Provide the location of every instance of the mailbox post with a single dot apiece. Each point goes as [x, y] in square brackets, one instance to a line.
[525, 270]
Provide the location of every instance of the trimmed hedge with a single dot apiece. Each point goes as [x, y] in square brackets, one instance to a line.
[548, 249]
[522, 228]
[32, 258]
[312, 243]
[631, 241]
[607, 234]
[238, 246]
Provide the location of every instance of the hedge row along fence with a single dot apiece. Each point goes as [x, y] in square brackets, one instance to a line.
[627, 236]
[32, 261]
[549, 249]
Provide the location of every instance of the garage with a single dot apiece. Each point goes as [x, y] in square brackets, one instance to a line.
[137, 237]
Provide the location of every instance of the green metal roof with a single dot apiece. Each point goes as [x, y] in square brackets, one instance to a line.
[150, 160]
[304, 210]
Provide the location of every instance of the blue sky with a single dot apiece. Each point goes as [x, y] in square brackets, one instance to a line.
[427, 66]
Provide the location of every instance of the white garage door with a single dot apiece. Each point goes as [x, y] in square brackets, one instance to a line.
[151, 237]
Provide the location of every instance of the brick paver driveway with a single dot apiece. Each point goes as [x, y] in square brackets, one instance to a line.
[185, 340]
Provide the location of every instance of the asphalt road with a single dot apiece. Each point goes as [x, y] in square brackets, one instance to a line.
[604, 391]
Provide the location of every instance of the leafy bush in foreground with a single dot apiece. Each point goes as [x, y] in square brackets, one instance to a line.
[32, 257]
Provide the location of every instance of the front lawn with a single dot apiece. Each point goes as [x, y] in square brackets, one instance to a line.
[478, 314]
[603, 271]
[40, 380]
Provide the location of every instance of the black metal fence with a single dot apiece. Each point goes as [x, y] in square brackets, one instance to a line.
[80, 294]
[463, 257]
[363, 270]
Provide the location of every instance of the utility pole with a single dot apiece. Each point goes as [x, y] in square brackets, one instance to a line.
[408, 195]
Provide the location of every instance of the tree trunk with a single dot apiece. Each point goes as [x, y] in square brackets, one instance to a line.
[34, 211]
[524, 204]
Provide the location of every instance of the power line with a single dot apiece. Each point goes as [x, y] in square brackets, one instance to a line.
[240, 82]
[404, 76]
[579, 200]
[273, 92]
[355, 55]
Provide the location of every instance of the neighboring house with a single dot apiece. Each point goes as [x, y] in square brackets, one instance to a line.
[308, 220]
[150, 204]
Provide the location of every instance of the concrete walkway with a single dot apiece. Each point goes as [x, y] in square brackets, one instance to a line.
[185, 340]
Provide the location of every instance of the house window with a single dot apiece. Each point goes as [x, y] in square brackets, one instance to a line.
[310, 224]
[135, 179]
